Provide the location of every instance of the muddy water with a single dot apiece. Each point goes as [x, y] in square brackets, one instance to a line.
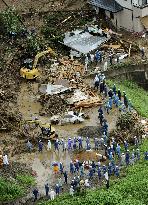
[29, 107]
[41, 163]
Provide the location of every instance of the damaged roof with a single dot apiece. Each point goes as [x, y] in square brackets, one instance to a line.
[84, 42]
[109, 5]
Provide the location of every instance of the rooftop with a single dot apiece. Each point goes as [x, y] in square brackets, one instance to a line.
[109, 5]
[84, 42]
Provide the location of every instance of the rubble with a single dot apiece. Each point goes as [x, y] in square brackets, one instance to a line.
[52, 105]
[90, 131]
[128, 126]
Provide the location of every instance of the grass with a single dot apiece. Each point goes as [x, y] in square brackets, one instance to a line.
[138, 96]
[26, 180]
[130, 190]
[16, 188]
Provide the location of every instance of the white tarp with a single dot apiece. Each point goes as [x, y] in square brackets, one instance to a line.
[55, 89]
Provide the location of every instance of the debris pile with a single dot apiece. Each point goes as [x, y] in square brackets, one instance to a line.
[128, 126]
[8, 120]
[90, 131]
[52, 105]
[14, 169]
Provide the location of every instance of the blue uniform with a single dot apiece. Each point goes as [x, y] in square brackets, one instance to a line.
[71, 168]
[127, 158]
[99, 173]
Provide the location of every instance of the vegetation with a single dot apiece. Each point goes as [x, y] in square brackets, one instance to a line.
[10, 22]
[138, 95]
[15, 188]
[10, 190]
[132, 189]
[25, 180]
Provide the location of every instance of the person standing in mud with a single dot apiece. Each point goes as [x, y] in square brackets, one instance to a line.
[47, 189]
[56, 145]
[65, 177]
[40, 145]
[35, 193]
[119, 94]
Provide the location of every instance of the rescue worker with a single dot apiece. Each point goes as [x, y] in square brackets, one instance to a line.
[107, 106]
[118, 150]
[110, 93]
[57, 189]
[122, 159]
[29, 146]
[101, 117]
[101, 87]
[56, 145]
[80, 142]
[119, 94]
[110, 102]
[96, 82]
[96, 142]
[69, 144]
[65, 177]
[127, 157]
[74, 143]
[125, 145]
[99, 173]
[125, 101]
[47, 189]
[52, 194]
[114, 89]
[35, 193]
[117, 171]
[100, 111]
[40, 146]
[72, 167]
[5, 160]
[61, 167]
[138, 154]
[71, 191]
[49, 145]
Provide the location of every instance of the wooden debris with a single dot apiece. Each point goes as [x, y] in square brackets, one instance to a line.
[93, 101]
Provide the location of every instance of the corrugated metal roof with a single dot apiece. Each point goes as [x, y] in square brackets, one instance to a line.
[84, 42]
[109, 5]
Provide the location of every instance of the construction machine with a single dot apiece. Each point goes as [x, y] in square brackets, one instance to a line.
[47, 131]
[33, 72]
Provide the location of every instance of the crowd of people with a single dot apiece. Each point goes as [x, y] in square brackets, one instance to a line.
[81, 174]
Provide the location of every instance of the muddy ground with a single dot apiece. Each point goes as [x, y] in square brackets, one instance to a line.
[19, 101]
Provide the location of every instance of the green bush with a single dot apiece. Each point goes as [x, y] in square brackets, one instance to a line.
[10, 190]
[9, 21]
[26, 180]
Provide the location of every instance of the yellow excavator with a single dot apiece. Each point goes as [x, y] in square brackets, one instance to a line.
[33, 73]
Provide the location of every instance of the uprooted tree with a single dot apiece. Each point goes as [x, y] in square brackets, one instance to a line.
[128, 126]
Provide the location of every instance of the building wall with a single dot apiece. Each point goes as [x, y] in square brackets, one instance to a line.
[128, 19]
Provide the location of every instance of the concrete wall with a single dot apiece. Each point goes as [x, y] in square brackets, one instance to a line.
[137, 73]
[128, 19]
[123, 19]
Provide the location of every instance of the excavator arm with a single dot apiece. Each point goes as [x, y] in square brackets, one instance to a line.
[42, 54]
